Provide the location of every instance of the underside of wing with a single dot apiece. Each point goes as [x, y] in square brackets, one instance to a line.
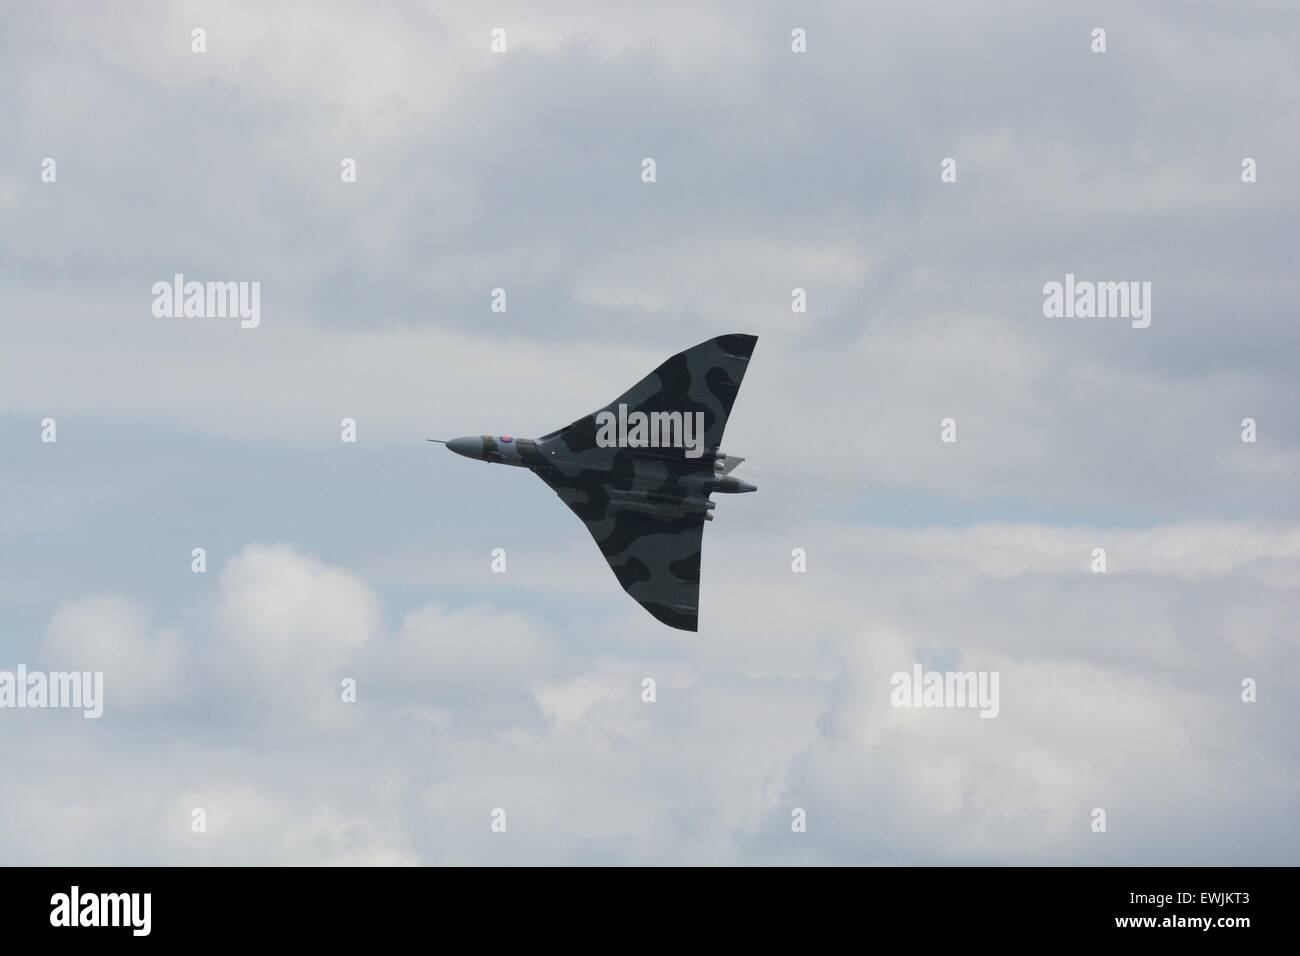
[654, 555]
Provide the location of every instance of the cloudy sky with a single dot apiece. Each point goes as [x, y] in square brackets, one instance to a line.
[775, 170]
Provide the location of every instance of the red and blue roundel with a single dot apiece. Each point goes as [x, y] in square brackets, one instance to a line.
[506, 438]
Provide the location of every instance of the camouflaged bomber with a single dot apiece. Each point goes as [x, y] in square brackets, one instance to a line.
[639, 472]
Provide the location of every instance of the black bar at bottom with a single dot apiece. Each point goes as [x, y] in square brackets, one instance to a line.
[545, 907]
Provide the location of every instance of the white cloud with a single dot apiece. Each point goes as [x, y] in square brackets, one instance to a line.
[142, 664]
[1109, 698]
[280, 612]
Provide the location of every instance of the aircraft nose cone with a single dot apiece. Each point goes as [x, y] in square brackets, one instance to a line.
[469, 447]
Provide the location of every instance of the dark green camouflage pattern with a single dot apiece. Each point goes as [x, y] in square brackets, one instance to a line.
[645, 507]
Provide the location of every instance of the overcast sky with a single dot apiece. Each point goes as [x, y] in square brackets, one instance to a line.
[775, 170]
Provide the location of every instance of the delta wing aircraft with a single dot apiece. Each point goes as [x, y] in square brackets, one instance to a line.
[639, 472]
